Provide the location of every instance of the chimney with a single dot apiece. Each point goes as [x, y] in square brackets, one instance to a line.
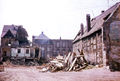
[102, 11]
[60, 38]
[82, 29]
[42, 32]
[88, 22]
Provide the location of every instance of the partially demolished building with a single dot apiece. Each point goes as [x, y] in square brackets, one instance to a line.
[100, 42]
[14, 43]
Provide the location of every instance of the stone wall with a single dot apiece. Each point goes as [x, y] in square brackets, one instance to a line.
[92, 48]
[103, 46]
[111, 33]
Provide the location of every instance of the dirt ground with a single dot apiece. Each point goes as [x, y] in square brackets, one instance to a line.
[33, 74]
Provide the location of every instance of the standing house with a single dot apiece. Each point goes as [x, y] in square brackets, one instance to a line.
[51, 48]
[62, 46]
[100, 41]
[45, 44]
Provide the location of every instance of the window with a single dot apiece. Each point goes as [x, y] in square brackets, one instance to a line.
[58, 49]
[69, 50]
[48, 48]
[63, 44]
[27, 51]
[58, 44]
[19, 50]
[63, 49]
[9, 42]
[42, 48]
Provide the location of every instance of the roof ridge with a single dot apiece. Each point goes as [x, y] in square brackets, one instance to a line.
[43, 36]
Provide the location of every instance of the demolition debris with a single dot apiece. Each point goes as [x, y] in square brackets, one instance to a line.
[1, 67]
[72, 62]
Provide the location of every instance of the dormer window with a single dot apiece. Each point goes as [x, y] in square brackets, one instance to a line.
[105, 18]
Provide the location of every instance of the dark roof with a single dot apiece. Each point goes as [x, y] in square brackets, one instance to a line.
[42, 39]
[97, 22]
[9, 34]
[12, 28]
[41, 36]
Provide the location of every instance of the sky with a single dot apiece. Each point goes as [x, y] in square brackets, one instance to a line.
[56, 18]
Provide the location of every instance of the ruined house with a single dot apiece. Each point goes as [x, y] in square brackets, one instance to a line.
[25, 52]
[50, 48]
[100, 41]
[14, 43]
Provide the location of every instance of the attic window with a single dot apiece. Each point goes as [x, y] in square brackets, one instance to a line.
[105, 18]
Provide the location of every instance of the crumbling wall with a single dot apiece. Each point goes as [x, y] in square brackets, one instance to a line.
[7, 41]
[32, 52]
[20, 52]
[6, 51]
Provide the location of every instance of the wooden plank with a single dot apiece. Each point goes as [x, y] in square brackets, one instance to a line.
[73, 63]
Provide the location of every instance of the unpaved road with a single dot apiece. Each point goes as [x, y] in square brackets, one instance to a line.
[33, 74]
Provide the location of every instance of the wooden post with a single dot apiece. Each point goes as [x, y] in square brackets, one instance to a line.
[103, 49]
[96, 47]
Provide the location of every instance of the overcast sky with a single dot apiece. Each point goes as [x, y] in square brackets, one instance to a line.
[54, 17]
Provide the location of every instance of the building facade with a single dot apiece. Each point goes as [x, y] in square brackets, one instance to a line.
[100, 41]
[52, 47]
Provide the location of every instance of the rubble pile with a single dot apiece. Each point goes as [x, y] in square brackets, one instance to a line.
[75, 62]
[1, 67]
[31, 63]
[18, 61]
[24, 62]
[72, 62]
[57, 64]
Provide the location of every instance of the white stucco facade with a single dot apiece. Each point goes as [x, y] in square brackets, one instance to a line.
[20, 52]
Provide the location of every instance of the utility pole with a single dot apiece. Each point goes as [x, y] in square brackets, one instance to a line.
[108, 3]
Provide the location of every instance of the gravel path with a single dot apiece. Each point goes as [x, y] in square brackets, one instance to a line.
[33, 74]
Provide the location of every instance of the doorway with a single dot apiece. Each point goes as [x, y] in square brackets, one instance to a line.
[36, 52]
